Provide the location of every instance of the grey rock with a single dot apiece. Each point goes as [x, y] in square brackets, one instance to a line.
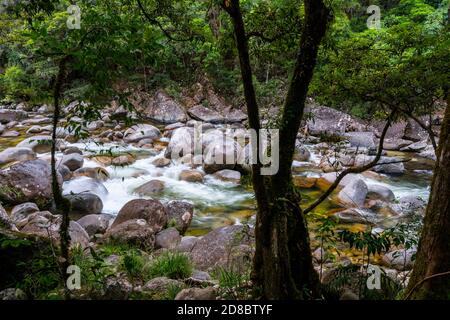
[354, 194]
[151, 211]
[180, 213]
[167, 239]
[201, 113]
[165, 110]
[380, 192]
[197, 294]
[361, 139]
[16, 154]
[27, 181]
[23, 210]
[95, 223]
[141, 131]
[11, 115]
[85, 203]
[400, 259]
[219, 247]
[73, 161]
[150, 188]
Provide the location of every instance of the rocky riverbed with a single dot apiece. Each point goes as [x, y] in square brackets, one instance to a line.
[124, 185]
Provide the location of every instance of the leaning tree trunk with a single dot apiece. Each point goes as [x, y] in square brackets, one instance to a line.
[431, 275]
[282, 266]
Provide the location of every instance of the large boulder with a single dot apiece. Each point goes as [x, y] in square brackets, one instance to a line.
[191, 176]
[400, 259]
[201, 113]
[141, 131]
[413, 131]
[187, 243]
[229, 176]
[73, 161]
[167, 239]
[97, 173]
[164, 109]
[78, 236]
[181, 143]
[150, 188]
[16, 154]
[327, 179]
[151, 211]
[95, 223]
[27, 181]
[221, 154]
[221, 247]
[415, 147]
[161, 162]
[389, 165]
[395, 144]
[117, 287]
[354, 194]
[85, 185]
[39, 144]
[136, 232]
[85, 203]
[330, 121]
[234, 115]
[7, 115]
[180, 214]
[380, 192]
[361, 139]
[428, 153]
[23, 210]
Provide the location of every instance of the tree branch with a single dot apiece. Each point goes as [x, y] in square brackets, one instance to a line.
[154, 21]
[366, 167]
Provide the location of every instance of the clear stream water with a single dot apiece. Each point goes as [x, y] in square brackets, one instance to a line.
[219, 203]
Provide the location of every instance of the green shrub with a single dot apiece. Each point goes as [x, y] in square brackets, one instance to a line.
[173, 265]
[133, 264]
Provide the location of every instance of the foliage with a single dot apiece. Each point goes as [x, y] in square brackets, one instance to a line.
[174, 265]
[94, 269]
[232, 284]
[133, 264]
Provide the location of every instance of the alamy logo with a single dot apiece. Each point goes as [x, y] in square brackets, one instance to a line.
[374, 278]
[74, 280]
[74, 19]
[229, 147]
[374, 20]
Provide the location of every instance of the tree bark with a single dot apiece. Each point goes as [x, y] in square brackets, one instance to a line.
[433, 255]
[282, 267]
[61, 205]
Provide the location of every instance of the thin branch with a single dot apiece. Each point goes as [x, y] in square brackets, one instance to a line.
[424, 280]
[366, 167]
[159, 24]
[428, 129]
[260, 35]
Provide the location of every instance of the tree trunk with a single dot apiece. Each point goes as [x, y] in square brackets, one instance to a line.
[282, 266]
[433, 256]
[61, 205]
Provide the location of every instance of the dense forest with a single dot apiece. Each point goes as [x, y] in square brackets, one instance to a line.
[224, 150]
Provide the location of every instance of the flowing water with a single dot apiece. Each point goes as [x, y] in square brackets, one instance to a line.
[219, 203]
